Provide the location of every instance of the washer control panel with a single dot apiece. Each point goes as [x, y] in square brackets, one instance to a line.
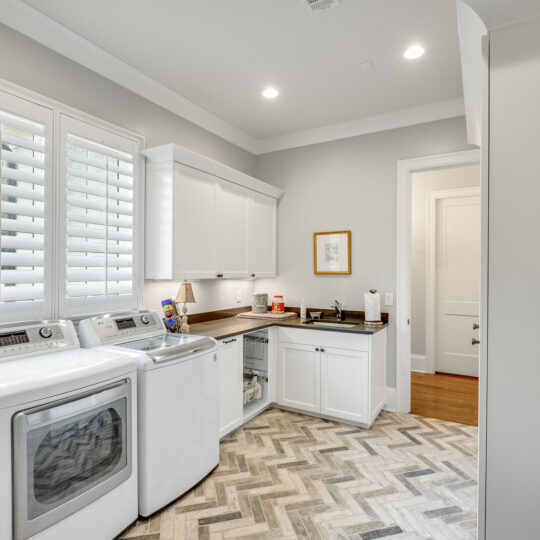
[121, 327]
[34, 338]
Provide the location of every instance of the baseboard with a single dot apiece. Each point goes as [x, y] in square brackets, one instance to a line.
[419, 363]
[391, 404]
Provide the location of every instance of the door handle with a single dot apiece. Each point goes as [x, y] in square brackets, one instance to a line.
[475, 341]
[475, 326]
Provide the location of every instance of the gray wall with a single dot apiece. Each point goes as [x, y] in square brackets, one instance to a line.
[29, 64]
[342, 185]
[422, 183]
[513, 369]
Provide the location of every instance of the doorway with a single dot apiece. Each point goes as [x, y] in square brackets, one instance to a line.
[445, 292]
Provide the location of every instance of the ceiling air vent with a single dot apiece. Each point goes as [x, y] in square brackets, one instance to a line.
[316, 6]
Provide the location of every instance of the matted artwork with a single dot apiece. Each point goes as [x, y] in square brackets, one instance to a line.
[332, 252]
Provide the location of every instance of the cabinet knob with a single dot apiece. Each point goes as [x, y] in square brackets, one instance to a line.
[475, 326]
[252, 275]
[475, 341]
[317, 349]
[322, 350]
[219, 275]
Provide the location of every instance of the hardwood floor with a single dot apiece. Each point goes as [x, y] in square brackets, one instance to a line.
[444, 396]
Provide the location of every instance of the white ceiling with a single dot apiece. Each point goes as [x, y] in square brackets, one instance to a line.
[500, 12]
[221, 54]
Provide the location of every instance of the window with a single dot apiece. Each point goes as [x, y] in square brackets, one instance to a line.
[99, 261]
[69, 212]
[25, 196]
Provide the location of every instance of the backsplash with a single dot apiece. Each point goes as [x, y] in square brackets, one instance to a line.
[210, 295]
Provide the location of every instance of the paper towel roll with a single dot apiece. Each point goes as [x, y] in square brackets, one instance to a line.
[372, 303]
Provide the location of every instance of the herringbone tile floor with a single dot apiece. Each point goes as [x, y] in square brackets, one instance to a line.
[286, 475]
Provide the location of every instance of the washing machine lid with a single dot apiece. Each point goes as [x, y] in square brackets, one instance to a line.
[169, 347]
[25, 380]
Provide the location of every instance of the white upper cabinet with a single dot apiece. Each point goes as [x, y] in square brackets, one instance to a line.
[194, 223]
[205, 220]
[262, 237]
[232, 230]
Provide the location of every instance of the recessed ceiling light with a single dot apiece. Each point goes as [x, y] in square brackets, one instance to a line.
[270, 93]
[413, 52]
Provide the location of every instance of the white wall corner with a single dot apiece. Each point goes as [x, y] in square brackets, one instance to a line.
[391, 404]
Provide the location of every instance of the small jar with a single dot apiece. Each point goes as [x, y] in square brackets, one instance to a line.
[278, 304]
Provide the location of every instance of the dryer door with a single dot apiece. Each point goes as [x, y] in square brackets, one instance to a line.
[69, 453]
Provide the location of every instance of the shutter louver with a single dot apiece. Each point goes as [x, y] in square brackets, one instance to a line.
[100, 255]
[25, 159]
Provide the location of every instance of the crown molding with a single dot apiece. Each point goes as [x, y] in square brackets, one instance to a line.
[363, 126]
[37, 26]
[46, 31]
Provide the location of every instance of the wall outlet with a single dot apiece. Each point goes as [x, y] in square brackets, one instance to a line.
[388, 299]
[238, 296]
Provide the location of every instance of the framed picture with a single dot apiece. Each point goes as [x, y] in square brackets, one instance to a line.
[332, 252]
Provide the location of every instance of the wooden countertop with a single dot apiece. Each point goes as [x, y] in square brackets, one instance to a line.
[233, 326]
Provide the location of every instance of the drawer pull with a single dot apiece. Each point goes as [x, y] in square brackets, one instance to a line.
[230, 340]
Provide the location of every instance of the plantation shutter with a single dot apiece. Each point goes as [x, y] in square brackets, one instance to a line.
[25, 205]
[100, 220]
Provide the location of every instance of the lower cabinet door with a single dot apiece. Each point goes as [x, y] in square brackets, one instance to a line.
[345, 384]
[231, 408]
[300, 377]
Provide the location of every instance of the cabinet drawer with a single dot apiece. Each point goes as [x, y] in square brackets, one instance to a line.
[325, 338]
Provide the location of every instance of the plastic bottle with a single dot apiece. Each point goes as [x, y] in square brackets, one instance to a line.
[302, 309]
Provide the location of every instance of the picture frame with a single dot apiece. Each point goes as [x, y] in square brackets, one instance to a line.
[332, 252]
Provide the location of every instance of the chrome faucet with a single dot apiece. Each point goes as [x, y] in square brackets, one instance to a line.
[339, 311]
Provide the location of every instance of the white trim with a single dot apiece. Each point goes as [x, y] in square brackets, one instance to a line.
[37, 26]
[390, 404]
[363, 126]
[431, 263]
[419, 363]
[169, 153]
[403, 288]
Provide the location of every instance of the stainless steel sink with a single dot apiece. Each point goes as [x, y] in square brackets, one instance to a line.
[332, 324]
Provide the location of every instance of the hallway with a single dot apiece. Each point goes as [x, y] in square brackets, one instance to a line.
[446, 397]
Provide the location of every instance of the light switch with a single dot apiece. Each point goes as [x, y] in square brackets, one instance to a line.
[388, 299]
[238, 296]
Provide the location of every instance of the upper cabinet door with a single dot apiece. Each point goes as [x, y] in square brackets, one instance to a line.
[232, 231]
[262, 235]
[194, 219]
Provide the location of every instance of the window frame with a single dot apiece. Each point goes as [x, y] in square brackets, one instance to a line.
[57, 239]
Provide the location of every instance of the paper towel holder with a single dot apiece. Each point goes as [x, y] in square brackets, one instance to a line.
[373, 323]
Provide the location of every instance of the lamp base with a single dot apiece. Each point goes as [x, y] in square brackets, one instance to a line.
[184, 327]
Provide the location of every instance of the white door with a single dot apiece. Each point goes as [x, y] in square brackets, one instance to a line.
[457, 284]
[300, 376]
[232, 231]
[230, 385]
[345, 384]
[195, 229]
[262, 236]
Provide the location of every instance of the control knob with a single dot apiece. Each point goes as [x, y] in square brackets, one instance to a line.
[45, 332]
[145, 319]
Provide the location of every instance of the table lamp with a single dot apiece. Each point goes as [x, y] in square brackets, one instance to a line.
[185, 296]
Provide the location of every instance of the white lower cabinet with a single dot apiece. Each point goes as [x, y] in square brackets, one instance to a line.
[230, 385]
[300, 377]
[345, 384]
[333, 373]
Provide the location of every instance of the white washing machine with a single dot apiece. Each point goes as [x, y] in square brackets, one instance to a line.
[178, 401]
[68, 435]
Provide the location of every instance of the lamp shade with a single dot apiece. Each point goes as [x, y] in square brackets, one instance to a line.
[185, 294]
